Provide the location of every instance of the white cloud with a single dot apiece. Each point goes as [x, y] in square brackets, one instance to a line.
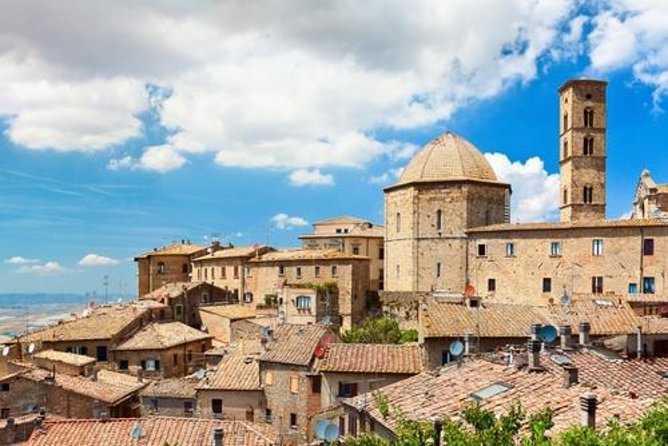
[295, 85]
[127, 162]
[303, 177]
[42, 269]
[97, 260]
[284, 221]
[535, 191]
[18, 260]
[387, 177]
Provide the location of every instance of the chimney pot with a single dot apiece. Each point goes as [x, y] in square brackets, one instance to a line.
[570, 376]
[218, 436]
[585, 329]
[565, 332]
[10, 422]
[533, 353]
[588, 404]
[469, 344]
[535, 331]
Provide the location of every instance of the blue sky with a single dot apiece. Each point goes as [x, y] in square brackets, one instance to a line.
[126, 127]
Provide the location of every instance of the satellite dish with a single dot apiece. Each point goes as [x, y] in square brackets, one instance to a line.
[327, 431]
[327, 320]
[456, 348]
[31, 348]
[200, 374]
[565, 298]
[5, 351]
[264, 331]
[135, 433]
[548, 333]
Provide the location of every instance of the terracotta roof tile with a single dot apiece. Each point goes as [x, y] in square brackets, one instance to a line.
[233, 311]
[172, 388]
[294, 344]
[231, 253]
[306, 254]
[654, 324]
[372, 358]
[155, 432]
[174, 249]
[547, 226]
[65, 358]
[234, 372]
[101, 323]
[171, 290]
[158, 336]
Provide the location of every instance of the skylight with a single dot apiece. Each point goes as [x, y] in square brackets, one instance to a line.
[490, 391]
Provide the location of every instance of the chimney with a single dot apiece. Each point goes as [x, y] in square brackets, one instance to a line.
[10, 435]
[639, 342]
[565, 334]
[585, 328]
[588, 405]
[140, 375]
[218, 436]
[469, 344]
[535, 331]
[570, 376]
[96, 371]
[438, 428]
[533, 353]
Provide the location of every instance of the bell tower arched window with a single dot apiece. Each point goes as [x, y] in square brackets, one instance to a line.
[589, 117]
[439, 220]
[588, 146]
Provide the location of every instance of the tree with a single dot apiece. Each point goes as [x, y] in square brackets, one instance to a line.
[381, 330]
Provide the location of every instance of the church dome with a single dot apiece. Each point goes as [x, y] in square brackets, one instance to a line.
[449, 157]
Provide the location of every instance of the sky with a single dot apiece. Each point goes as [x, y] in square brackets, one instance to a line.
[125, 126]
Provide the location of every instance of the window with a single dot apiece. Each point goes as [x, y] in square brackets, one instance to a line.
[281, 270]
[588, 146]
[4, 413]
[206, 273]
[588, 194]
[293, 421]
[4, 387]
[633, 288]
[267, 415]
[381, 253]
[248, 271]
[150, 365]
[101, 353]
[334, 271]
[565, 198]
[555, 248]
[510, 249]
[213, 272]
[316, 384]
[446, 357]
[565, 148]
[223, 272]
[356, 250]
[339, 230]
[190, 355]
[161, 268]
[269, 378]
[217, 405]
[303, 302]
[438, 269]
[352, 425]
[294, 384]
[439, 220]
[178, 310]
[77, 350]
[597, 285]
[482, 250]
[398, 270]
[648, 285]
[398, 222]
[342, 427]
[317, 271]
[184, 268]
[176, 358]
[565, 121]
[236, 271]
[188, 407]
[123, 364]
[648, 247]
[199, 274]
[490, 391]
[491, 285]
[347, 390]
[299, 271]
[597, 247]
[547, 285]
[589, 117]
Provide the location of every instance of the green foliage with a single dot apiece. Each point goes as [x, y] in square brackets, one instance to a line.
[380, 330]
[321, 288]
[270, 300]
[382, 403]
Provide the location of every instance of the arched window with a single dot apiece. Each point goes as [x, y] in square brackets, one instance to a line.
[588, 194]
[439, 220]
[565, 121]
[303, 302]
[588, 146]
[160, 269]
[589, 117]
[565, 148]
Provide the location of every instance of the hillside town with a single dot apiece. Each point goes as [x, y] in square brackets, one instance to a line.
[365, 325]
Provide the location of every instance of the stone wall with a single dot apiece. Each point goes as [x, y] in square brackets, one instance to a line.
[176, 361]
[237, 404]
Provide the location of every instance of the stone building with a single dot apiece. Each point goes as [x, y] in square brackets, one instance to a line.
[165, 265]
[163, 350]
[290, 381]
[353, 236]
[227, 269]
[651, 200]
[172, 397]
[274, 274]
[447, 222]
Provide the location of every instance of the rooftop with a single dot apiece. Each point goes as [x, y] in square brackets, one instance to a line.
[234, 372]
[372, 358]
[294, 344]
[495, 386]
[158, 336]
[233, 311]
[183, 248]
[231, 253]
[155, 431]
[185, 388]
[548, 226]
[447, 158]
[342, 220]
[65, 358]
[171, 290]
[307, 254]
[101, 323]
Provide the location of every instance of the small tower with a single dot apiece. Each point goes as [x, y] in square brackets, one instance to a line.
[582, 150]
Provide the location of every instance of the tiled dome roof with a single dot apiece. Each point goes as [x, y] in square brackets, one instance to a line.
[448, 157]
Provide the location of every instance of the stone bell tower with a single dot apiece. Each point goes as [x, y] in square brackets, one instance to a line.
[582, 150]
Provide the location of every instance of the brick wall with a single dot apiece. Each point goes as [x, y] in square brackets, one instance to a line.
[189, 357]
